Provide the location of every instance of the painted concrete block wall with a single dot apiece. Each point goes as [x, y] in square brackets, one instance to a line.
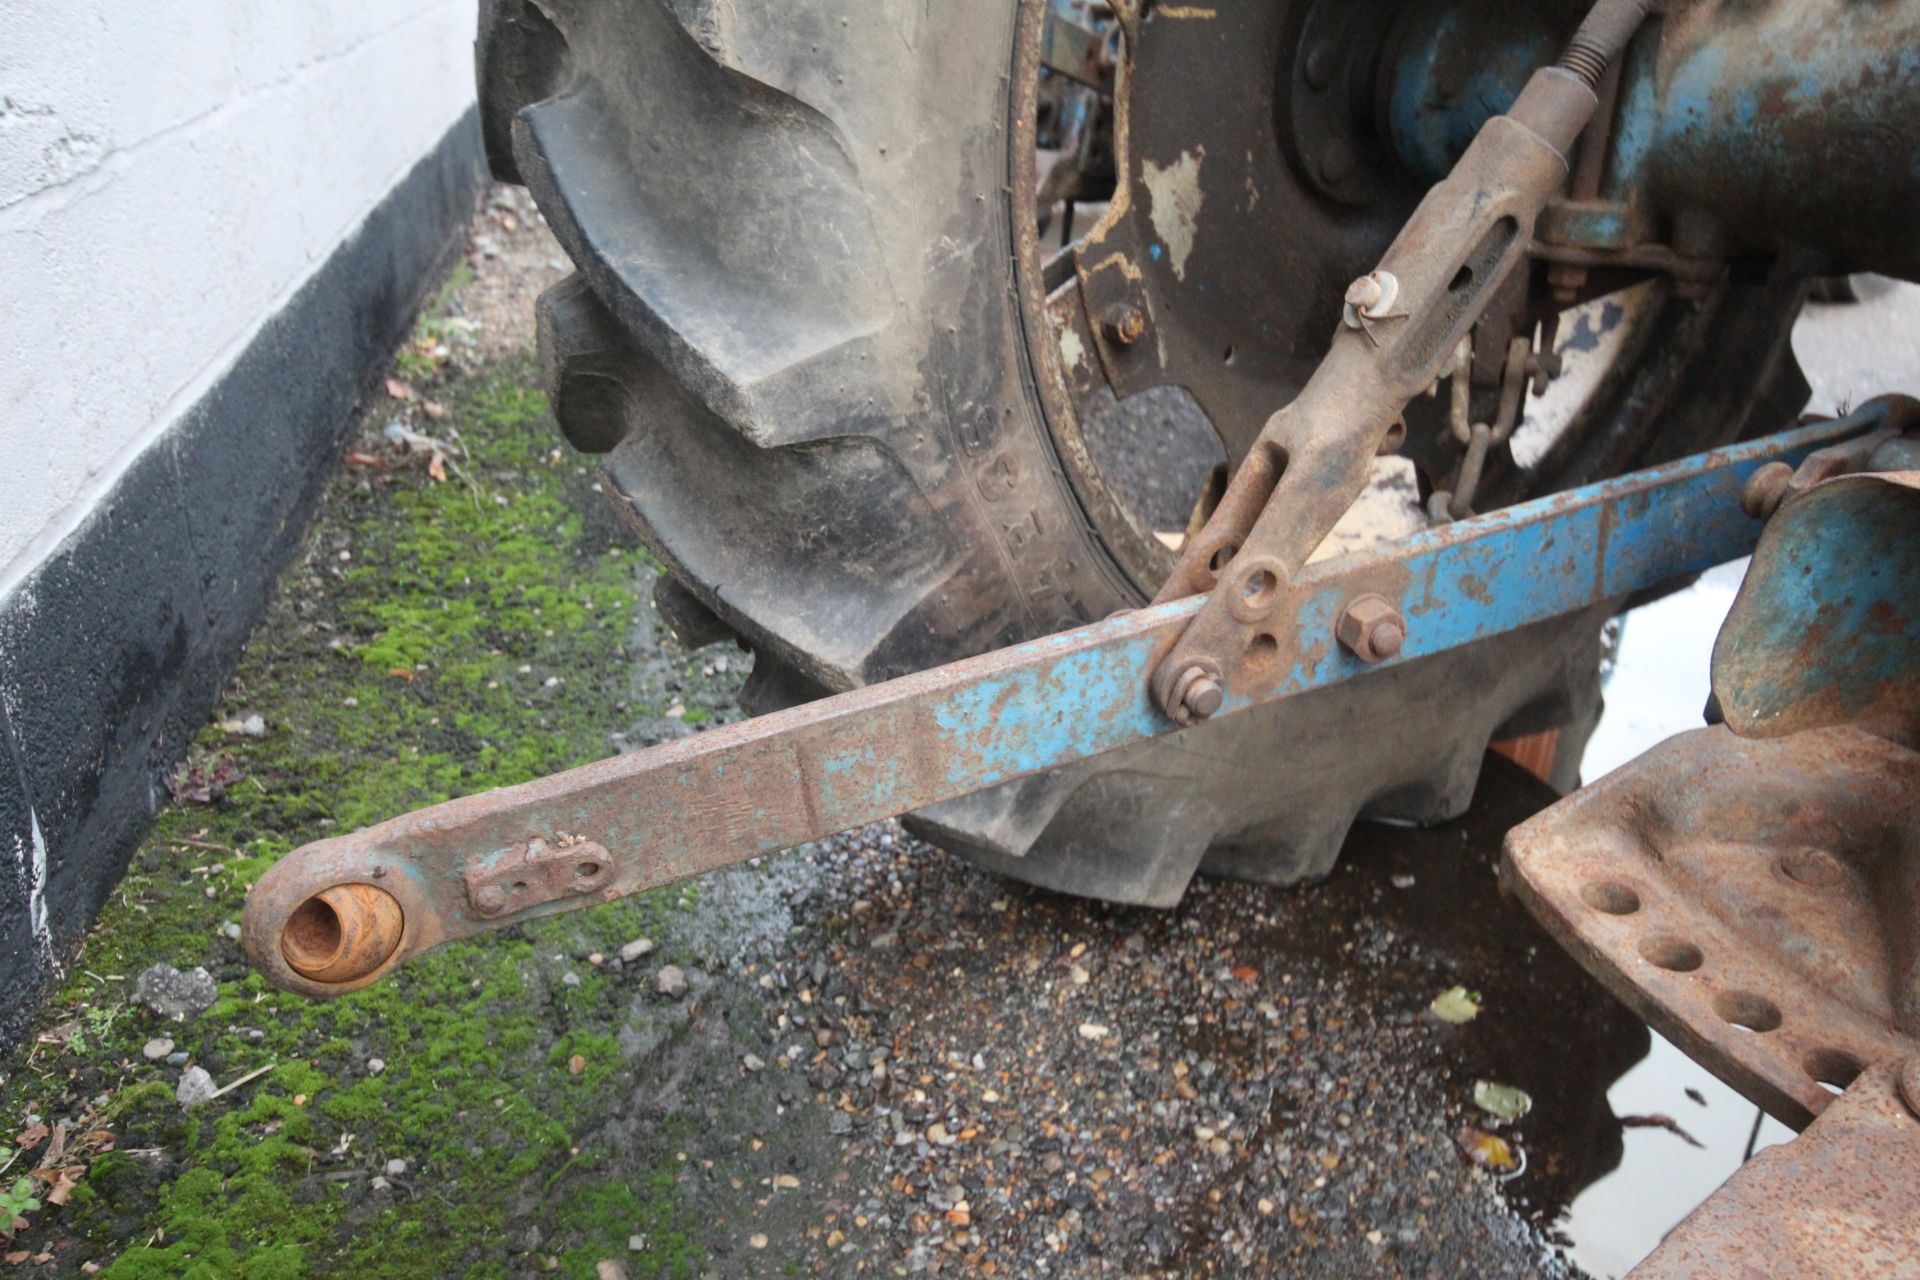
[217, 218]
[170, 174]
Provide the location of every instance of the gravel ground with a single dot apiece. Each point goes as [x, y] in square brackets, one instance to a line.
[1021, 1084]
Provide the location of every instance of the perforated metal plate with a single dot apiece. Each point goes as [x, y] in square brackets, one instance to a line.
[1758, 902]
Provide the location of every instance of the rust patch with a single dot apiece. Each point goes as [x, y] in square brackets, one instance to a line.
[538, 872]
[1728, 890]
[1842, 1199]
[1117, 261]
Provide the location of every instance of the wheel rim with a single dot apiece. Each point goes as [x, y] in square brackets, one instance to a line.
[1240, 311]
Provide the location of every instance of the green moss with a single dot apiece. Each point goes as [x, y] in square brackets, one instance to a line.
[602, 1214]
[472, 637]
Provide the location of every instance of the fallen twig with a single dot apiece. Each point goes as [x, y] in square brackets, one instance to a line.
[251, 1075]
[1662, 1122]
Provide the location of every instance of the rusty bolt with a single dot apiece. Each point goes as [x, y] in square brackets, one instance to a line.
[1371, 297]
[1365, 292]
[1197, 694]
[1765, 490]
[1908, 1083]
[1123, 324]
[1371, 628]
[1567, 282]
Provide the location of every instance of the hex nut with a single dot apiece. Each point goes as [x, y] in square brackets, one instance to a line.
[1371, 628]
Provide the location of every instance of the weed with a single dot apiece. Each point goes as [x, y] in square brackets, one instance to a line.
[15, 1204]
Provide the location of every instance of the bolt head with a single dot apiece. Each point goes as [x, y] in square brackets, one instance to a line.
[1371, 628]
[1204, 697]
[1196, 695]
[1337, 162]
[1124, 324]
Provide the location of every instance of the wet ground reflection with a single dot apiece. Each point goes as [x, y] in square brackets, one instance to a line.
[1603, 1191]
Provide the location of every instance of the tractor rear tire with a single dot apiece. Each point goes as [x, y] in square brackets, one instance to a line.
[803, 337]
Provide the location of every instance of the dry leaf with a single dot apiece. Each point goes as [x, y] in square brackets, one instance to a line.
[33, 1135]
[433, 409]
[1489, 1151]
[399, 390]
[1246, 973]
[437, 468]
[56, 1148]
[60, 1182]
[366, 460]
[401, 673]
[1455, 1005]
[1501, 1101]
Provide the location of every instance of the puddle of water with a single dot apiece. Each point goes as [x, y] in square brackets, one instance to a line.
[1659, 688]
[1662, 1178]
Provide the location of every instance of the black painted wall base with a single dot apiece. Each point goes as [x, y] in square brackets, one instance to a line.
[114, 651]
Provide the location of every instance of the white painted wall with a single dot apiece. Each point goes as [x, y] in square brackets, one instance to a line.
[169, 175]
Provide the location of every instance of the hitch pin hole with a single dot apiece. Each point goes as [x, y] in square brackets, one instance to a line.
[343, 933]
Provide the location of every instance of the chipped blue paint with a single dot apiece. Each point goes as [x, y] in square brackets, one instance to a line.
[1462, 582]
[1073, 707]
[1826, 629]
[1541, 559]
[1636, 123]
[851, 768]
[1459, 75]
[1848, 74]
[1747, 114]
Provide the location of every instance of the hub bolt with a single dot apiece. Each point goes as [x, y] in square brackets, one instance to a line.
[1372, 628]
